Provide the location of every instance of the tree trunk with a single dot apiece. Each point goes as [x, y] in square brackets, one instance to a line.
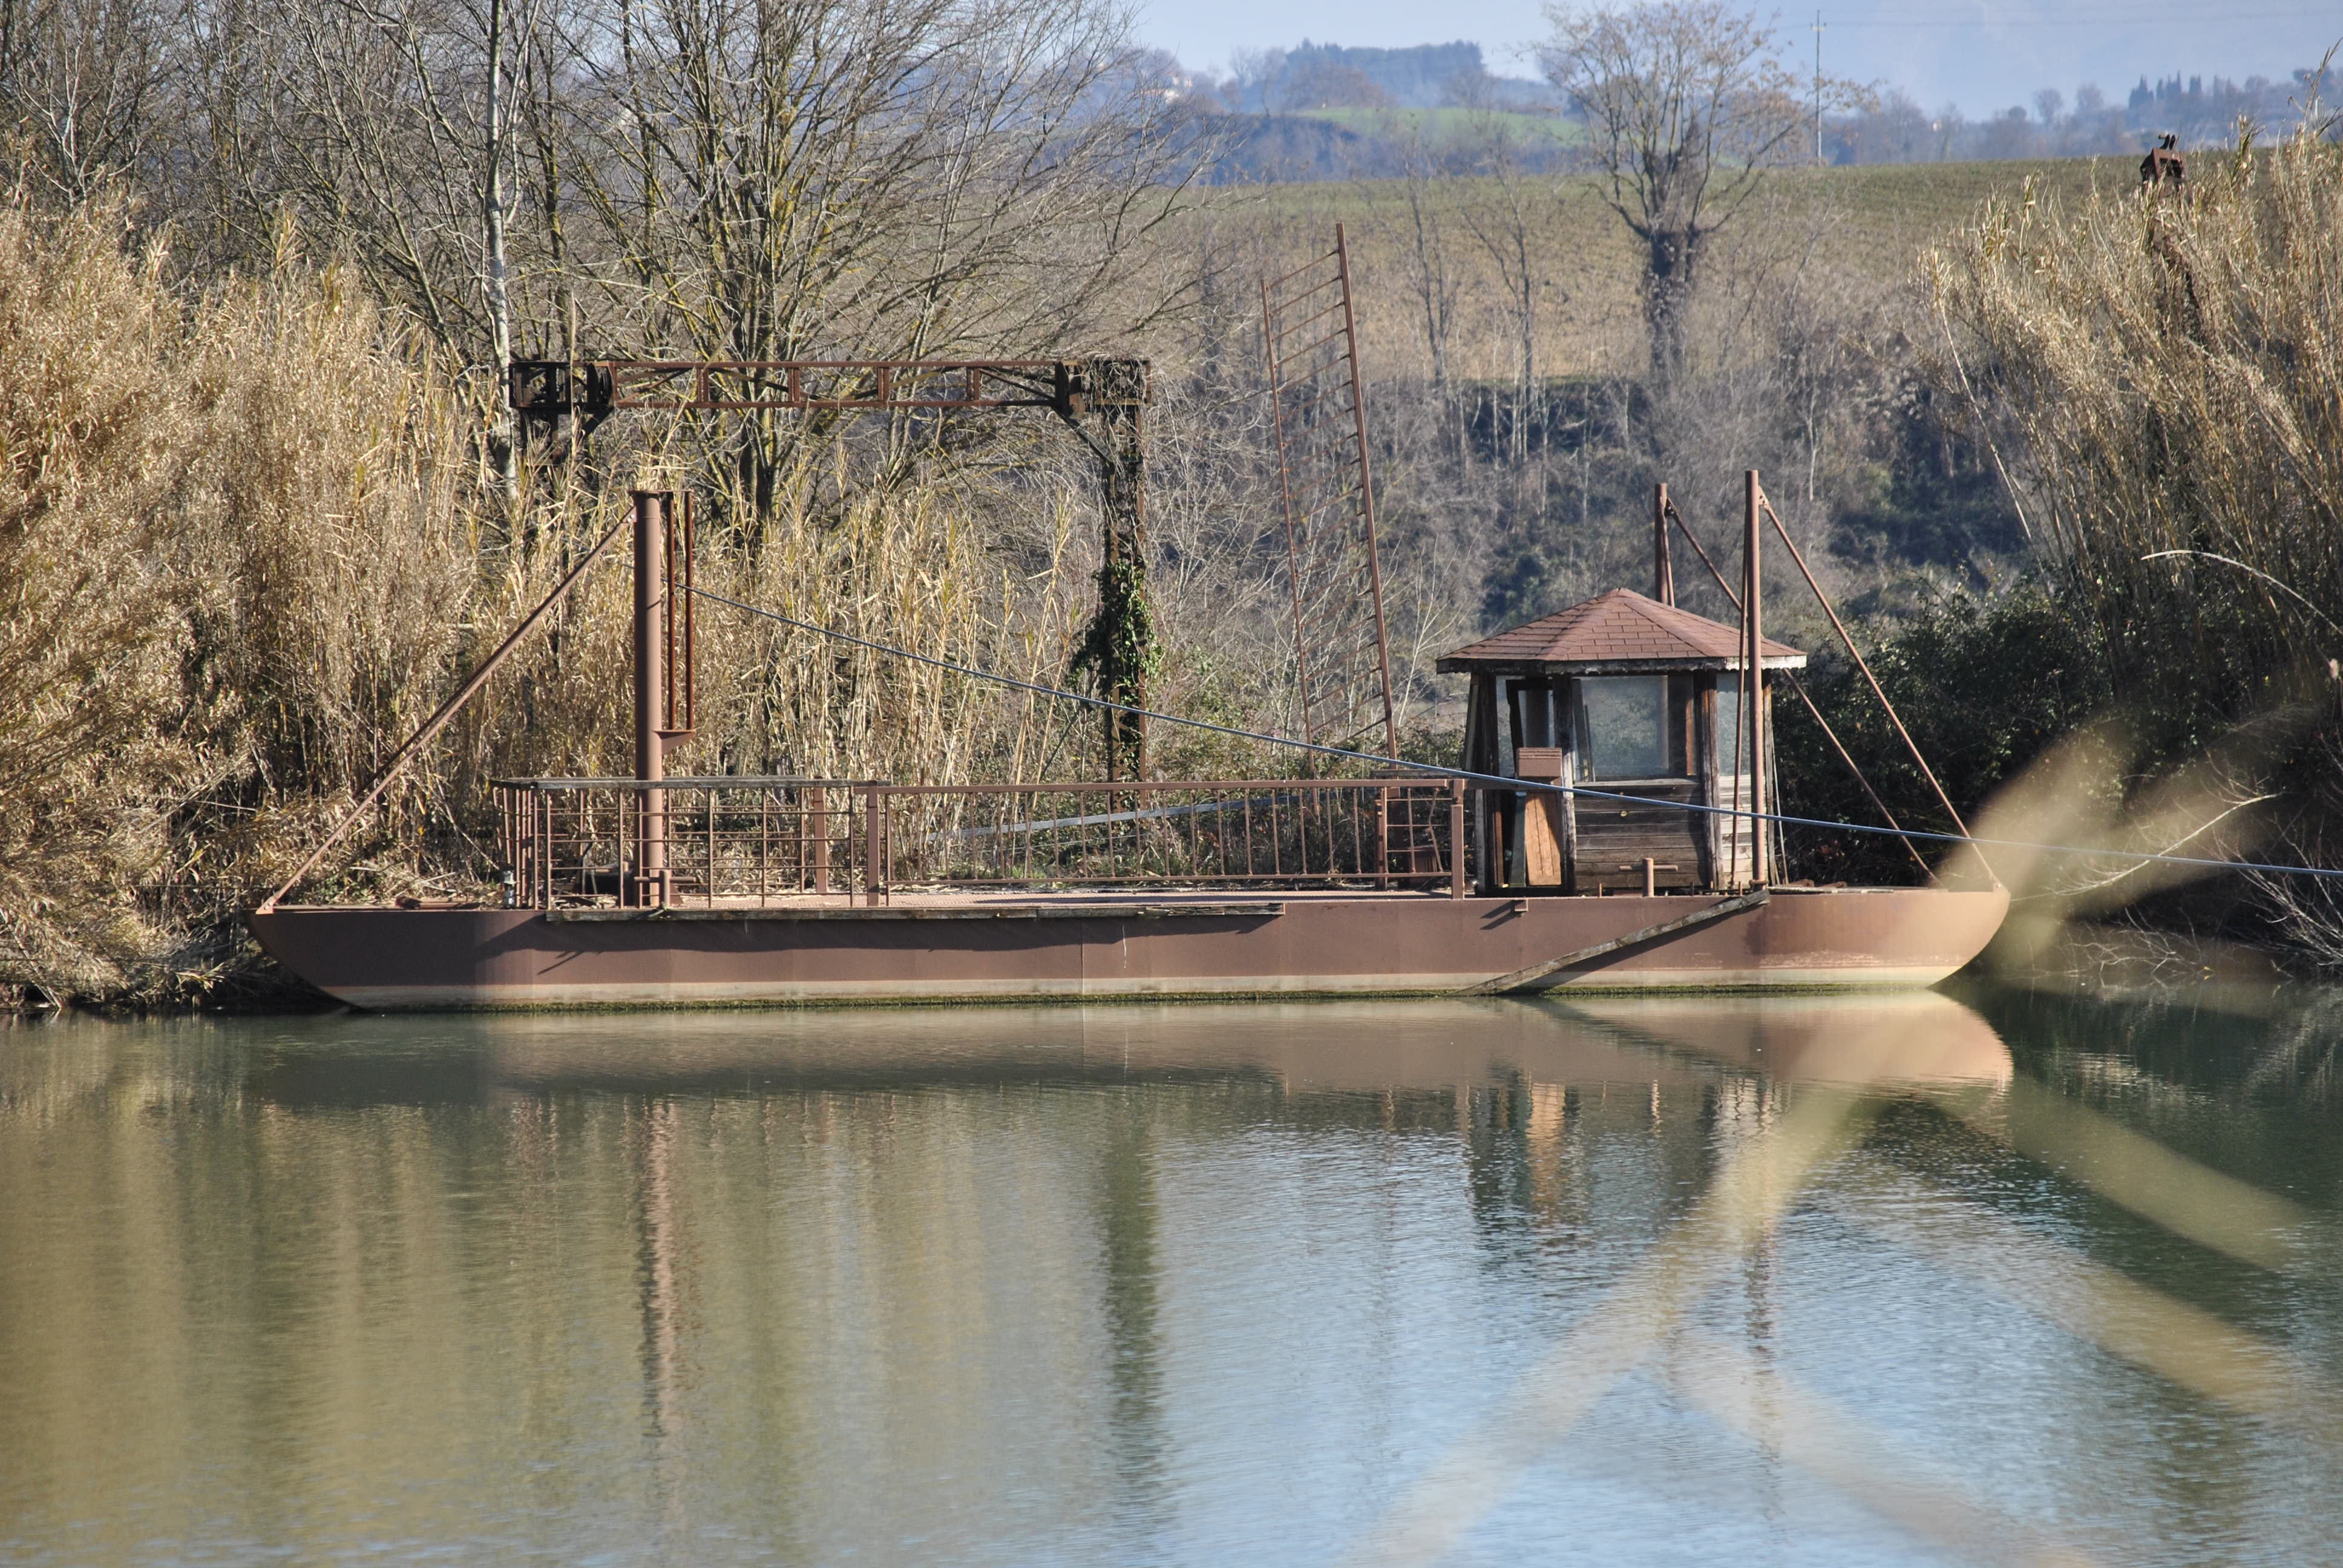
[1671, 255]
[502, 453]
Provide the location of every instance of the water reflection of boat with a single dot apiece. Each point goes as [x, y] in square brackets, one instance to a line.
[1911, 1037]
[1335, 1046]
[1338, 1047]
[1607, 830]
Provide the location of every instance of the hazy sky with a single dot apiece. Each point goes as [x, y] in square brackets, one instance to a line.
[1983, 56]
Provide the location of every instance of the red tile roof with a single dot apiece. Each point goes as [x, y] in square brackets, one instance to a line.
[1619, 628]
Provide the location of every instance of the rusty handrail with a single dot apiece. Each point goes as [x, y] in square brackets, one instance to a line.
[1373, 832]
[753, 838]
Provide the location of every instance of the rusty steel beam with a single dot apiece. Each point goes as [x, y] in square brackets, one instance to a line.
[543, 390]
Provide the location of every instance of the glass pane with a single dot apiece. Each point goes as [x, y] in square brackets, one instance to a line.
[1534, 704]
[1626, 726]
[1729, 743]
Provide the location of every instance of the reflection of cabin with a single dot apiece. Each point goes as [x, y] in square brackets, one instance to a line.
[1620, 693]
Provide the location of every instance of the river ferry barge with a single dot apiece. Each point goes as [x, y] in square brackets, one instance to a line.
[1607, 829]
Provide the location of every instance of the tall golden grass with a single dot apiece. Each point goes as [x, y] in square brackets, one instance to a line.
[197, 643]
[2168, 362]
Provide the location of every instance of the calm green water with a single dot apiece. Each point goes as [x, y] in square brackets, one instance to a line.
[1801, 1282]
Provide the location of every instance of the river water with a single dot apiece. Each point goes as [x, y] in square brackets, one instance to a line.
[2012, 1277]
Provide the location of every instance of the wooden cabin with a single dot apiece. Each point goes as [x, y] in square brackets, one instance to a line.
[1623, 695]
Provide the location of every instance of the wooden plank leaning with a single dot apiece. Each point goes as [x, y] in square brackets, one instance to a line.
[1522, 979]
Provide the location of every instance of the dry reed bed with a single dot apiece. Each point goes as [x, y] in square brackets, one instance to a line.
[2161, 371]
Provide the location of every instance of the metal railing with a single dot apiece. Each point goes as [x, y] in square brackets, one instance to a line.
[623, 843]
[1371, 833]
[683, 842]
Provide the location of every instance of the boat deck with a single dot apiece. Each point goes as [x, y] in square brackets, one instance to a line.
[966, 903]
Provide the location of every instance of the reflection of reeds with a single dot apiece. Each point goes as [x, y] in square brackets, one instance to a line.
[1633, 1321]
[1926, 1500]
[2136, 1171]
[2186, 1345]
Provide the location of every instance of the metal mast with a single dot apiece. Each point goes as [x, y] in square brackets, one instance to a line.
[1341, 652]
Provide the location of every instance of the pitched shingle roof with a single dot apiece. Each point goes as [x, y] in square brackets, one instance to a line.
[1619, 630]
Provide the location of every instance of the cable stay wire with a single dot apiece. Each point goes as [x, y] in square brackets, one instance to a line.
[1984, 20]
[1498, 780]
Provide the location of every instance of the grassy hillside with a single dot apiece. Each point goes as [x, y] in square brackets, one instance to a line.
[1844, 227]
[1454, 127]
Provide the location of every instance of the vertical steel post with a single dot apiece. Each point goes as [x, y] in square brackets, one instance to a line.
[651, 760]
[1126, 556]
[874, 850]
[817, 810]
[1123, 635]
[1664, 573]
[1382, 837]
[1755, 720]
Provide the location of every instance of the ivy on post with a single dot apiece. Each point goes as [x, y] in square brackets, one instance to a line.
[1119, 651]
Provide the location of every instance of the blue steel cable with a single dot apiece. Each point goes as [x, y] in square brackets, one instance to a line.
[1524, 786]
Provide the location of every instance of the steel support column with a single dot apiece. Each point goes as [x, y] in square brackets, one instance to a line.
[650, 678]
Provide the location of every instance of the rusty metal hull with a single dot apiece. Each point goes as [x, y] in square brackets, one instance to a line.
[1820, 939]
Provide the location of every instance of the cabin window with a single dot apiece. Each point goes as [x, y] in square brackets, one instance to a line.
[1536, 710]
[1625, 728]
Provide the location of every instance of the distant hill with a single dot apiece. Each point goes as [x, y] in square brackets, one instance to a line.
[1324, 111]
[1331, 76]
[1353, 144]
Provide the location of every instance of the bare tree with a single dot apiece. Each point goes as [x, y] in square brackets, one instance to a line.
[773, 179]
[745, 179]
[1503, 213]
[82, 79]
[1686, 102]
[1431, 280]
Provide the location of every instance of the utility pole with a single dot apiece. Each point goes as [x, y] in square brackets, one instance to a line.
[1818, 86]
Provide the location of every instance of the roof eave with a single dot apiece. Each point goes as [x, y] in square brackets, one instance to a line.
[1455, 664]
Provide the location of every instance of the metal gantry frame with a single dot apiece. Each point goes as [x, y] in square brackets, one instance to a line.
[1110, 394]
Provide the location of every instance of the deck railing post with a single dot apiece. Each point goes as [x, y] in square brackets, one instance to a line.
[816, 812]
[1456, 837]
[874, 851]
[1753, 718]
[1382, 838]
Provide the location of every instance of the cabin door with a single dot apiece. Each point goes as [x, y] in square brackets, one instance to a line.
[1542, 735]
